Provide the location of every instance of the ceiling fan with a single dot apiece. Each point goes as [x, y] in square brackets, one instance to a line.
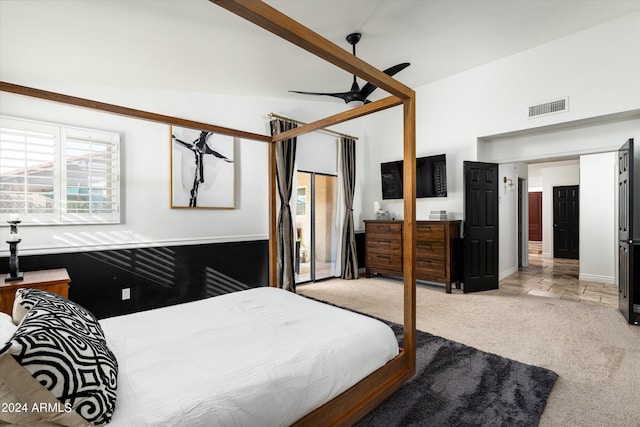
[357, 96]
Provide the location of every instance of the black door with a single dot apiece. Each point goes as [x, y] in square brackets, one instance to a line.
[480, 226]
[625, 230]
[566, 222]
[521, 252]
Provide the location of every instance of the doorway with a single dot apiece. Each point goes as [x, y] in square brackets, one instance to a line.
[316, 195]
[535, 216]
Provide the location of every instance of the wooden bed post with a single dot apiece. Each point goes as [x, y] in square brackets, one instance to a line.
[409, 232]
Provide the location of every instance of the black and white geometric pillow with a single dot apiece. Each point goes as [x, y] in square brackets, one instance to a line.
[62, 347]
[26, 298]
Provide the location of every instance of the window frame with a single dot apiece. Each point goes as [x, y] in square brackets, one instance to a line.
[97, 144]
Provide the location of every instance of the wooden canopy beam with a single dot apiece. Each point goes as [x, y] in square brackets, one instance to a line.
[128, 112]
[281, 25]
[344, 116]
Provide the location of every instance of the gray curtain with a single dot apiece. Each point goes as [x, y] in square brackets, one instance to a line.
[349, 256]
[286, 239]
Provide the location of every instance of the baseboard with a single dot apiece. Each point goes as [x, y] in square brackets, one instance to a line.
[507, 273]
[597, 278]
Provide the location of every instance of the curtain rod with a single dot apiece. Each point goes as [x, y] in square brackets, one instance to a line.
[325, 130]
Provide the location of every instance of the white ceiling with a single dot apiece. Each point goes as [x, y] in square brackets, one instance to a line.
[194, 45]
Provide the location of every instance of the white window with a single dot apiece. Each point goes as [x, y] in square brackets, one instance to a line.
[55, 174]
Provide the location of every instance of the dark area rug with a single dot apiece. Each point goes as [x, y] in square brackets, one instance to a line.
[457, 385]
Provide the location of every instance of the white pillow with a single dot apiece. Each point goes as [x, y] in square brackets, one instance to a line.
[7, 328]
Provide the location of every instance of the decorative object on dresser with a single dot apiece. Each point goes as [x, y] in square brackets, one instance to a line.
[438, 247]
[441, 214]
[56, 281]
[13, 239]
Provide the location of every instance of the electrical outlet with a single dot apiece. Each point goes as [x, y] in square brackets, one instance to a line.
[126, 294]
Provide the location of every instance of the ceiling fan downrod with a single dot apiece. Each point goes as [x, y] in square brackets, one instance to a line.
[353, 40]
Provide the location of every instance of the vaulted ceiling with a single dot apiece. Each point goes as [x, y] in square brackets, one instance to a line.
[194, 45]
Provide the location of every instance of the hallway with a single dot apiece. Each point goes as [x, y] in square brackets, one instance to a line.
[558, 278]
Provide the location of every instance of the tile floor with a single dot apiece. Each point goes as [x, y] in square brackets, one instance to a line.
[558, 278]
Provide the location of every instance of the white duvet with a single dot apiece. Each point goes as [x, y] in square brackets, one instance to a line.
[261, 357]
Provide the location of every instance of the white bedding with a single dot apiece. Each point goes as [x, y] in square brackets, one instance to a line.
[261, 357]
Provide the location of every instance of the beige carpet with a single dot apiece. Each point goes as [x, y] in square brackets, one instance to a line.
[594, 352]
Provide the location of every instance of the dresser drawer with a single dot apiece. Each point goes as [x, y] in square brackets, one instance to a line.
[430, 268]
[384, 229]
[430, 232]
[384, 245]
[430, 249]
[388, 262]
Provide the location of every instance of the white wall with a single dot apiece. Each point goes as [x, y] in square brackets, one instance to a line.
[147, 218]
[477, 114]
[567, 142]
[598, 220]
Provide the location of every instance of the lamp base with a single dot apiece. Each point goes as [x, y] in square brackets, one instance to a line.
[10, 278]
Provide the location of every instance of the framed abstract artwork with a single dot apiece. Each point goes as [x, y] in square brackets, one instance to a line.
[202, 169]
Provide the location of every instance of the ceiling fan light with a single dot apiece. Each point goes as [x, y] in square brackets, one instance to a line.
[355, 103]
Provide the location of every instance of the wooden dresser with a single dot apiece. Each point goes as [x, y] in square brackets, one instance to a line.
[56, 281]
[438, 246]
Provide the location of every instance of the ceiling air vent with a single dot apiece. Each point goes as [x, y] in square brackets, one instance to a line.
[550, 107]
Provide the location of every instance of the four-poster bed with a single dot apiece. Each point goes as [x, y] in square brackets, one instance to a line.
[351, 405]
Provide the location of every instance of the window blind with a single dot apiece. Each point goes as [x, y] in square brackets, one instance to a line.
[58, 174]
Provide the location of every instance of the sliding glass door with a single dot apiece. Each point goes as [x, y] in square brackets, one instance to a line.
[315, 225]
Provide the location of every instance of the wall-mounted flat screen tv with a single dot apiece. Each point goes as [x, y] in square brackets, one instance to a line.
[431, 177]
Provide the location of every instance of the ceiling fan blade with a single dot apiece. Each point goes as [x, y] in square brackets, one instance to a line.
[396, 68]
[368, 88]
[357, 94]
[341, 95]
